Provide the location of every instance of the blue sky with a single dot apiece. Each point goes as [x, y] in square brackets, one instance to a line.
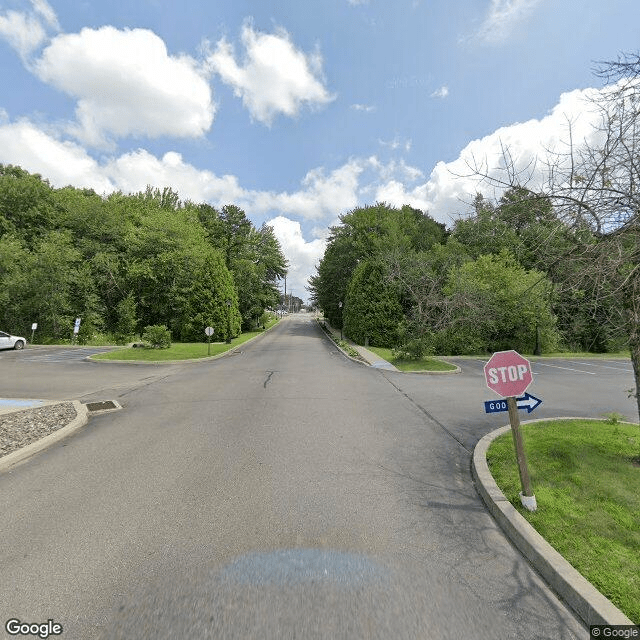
[297, 111]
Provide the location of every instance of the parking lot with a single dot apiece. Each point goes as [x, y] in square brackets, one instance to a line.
[52, 354]
[64, 373]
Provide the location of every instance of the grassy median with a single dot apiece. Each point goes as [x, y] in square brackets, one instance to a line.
[586, 478]
[177, 351]
[423, 364]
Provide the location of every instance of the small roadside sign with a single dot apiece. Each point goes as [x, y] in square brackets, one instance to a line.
[526, 402]
[76, 326]
[209, 332]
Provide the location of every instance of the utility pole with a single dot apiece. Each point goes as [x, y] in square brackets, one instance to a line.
[284, 302]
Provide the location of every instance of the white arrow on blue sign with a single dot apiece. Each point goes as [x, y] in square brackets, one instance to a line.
[527, 401]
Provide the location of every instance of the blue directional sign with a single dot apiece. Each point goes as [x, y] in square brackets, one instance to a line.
[527, 401]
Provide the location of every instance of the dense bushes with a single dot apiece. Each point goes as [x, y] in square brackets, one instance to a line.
[157, 336]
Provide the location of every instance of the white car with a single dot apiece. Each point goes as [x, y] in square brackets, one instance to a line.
[8, 341]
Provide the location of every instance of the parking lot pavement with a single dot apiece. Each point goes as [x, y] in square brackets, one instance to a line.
[597, 367]
[53, 354]
[539, 366]
[567, 388]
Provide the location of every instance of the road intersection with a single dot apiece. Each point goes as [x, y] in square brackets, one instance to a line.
[287, 490]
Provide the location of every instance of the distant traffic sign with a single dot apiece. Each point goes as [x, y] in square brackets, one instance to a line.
[508, 373]
[527, 402]
[209, 331]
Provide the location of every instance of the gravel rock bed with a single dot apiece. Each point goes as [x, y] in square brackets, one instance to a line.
[21, 428]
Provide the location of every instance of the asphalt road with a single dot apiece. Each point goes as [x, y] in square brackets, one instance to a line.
[285, 492]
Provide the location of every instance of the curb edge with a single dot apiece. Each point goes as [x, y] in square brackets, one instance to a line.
[588, 603]
[15, 457]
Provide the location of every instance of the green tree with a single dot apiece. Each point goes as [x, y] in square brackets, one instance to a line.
[27, 205]
[421, 278]
[496, 305]
[253, 256]
[372, 310]
[177, 277]
[52, 278]
[365, 233]
[526, 225]
[201, 300]
[126, 318]
[14, 266]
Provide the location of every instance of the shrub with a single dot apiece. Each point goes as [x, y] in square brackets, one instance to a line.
[157, 336]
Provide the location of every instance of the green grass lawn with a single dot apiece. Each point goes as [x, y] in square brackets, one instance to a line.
[178, 350]
[586, 478]
[424, 364]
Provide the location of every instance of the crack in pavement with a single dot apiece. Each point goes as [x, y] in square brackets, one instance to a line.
[268, 379]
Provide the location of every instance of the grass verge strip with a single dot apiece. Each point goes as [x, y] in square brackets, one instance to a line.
[423, 364]
[586, 478]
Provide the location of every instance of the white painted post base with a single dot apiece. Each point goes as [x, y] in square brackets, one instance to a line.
[528, 502]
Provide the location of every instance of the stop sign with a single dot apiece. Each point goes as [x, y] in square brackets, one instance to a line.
[508, 373]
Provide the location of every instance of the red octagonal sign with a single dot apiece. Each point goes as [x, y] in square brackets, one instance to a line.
[508, 373]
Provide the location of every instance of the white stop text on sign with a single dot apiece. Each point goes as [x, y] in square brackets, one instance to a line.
[512, 373]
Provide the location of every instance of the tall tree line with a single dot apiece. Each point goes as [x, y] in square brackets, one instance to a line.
[122, 262]
[501, 278]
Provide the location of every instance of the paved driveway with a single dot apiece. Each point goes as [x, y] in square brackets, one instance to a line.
[285, 492]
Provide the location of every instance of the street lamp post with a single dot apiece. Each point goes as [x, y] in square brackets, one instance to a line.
[228, 321]
[340, 307]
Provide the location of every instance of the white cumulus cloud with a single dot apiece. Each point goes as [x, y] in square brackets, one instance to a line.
[303, 255]
[62, 162]
[452, 185]
[274, 77]
[321, 194]
[127, 84]
[133, 171]
[26, 30]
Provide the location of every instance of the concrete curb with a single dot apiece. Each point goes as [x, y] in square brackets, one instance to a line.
[11, 459]
[328, 329]
[368, 358]
[438, 373]
[570, 585]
